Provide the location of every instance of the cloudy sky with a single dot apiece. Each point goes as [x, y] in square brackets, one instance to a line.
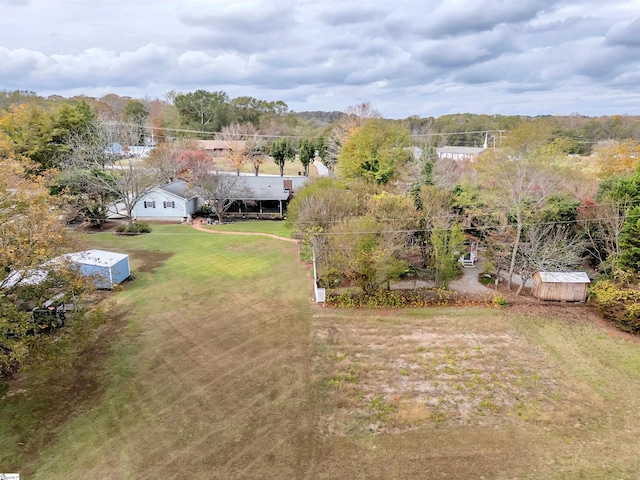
[405, 57]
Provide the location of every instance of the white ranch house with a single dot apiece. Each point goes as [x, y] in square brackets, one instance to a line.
[171, 202]
[266, 196]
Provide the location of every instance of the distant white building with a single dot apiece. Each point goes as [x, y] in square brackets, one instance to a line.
[460, 153]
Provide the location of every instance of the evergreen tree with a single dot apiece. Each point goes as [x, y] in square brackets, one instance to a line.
[630, 242]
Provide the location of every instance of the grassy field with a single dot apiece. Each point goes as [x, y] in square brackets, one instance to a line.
[271, 227]
[217, 365]
[268, 168]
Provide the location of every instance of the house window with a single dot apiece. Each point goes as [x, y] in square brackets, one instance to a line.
[169, 204]
[150, 204]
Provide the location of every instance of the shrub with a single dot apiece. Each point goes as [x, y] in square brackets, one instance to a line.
[618, 304]
[499, 301]
[203, 211]
[134, 229]
[486, 279]
[381, 298]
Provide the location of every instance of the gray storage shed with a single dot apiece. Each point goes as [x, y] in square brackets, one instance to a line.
[561, 286]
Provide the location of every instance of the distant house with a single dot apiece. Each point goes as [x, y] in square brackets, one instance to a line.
[460, 153]
[172, 202]
[131, 151]
[220, 148]
[561, 286]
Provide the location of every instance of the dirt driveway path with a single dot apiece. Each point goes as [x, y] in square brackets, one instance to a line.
[199, 226]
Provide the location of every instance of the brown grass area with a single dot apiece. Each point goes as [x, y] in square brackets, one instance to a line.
[467, 393]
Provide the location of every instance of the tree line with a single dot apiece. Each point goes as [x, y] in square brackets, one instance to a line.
[529, 204]
[390, 209]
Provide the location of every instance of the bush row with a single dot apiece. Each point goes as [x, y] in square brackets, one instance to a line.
[619, 304]
[134, 228]
[422, 297]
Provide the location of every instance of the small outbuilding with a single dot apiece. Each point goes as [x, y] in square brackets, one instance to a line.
[561, 286]
[105, 268]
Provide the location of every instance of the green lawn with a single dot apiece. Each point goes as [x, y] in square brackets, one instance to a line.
[214, 363]
[273, 227]
[207, 342]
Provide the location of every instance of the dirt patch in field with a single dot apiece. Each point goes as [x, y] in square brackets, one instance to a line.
[150, 259]
[398, 376]
[108, 226]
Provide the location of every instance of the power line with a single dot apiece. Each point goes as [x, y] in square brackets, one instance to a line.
[199, 132]
[470, 228]
[204, 132]
[444, 134]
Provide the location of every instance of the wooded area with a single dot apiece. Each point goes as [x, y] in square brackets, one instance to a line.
[546, 194]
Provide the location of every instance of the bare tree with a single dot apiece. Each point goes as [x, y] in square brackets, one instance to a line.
[602, 224]
[244, 145]
[220, 190]
[353, 118]
[102, 166]
[548, 248]
[520, 175]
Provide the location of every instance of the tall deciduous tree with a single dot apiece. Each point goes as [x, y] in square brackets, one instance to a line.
[31, 233]
[127, 180]
[42, 136]
[353, 118]
[306, 151]
[282, 151]
[244, 146]
[136, 114]
[375, 151]
[202, 110]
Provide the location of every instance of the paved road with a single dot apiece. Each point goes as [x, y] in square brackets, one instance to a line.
[322, 170]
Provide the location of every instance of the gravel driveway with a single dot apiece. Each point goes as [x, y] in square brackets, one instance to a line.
[469, 283]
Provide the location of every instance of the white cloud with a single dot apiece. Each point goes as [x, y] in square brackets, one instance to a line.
[422, 57]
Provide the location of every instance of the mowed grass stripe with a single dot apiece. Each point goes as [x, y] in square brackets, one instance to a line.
[215, 362]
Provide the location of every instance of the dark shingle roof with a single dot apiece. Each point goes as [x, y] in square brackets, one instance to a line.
[179, 188]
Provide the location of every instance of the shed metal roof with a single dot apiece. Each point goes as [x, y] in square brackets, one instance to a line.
[564, 277]
[100, 258]
[37, 275]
